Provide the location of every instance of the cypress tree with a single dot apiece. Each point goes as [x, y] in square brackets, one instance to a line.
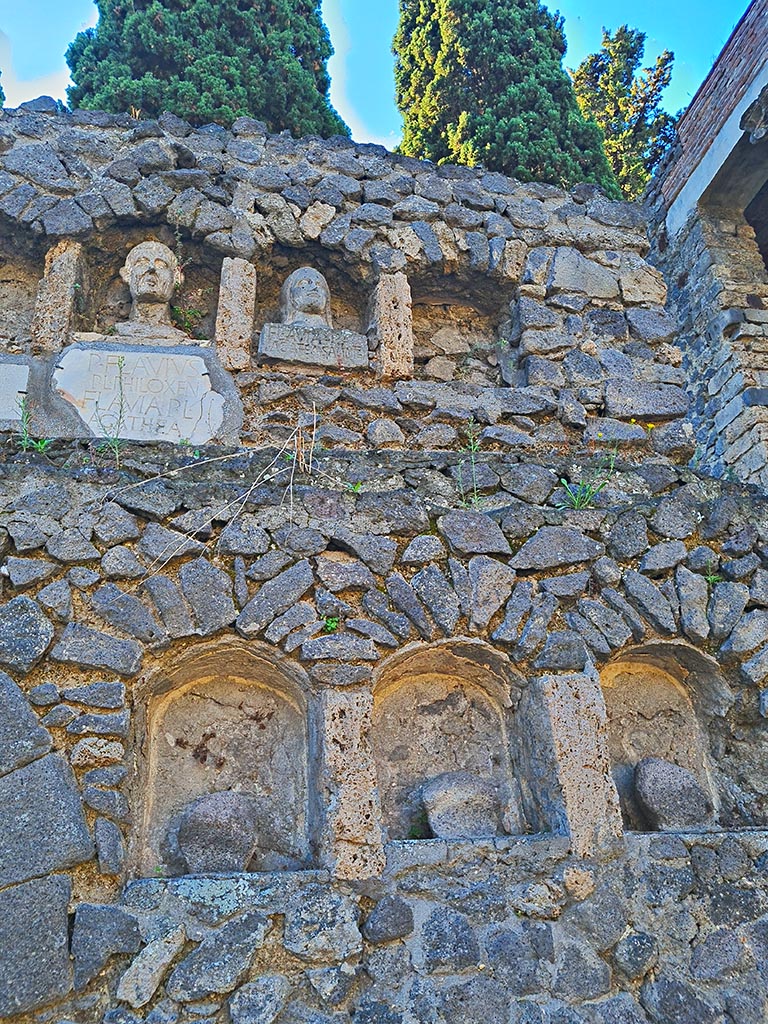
[208, 60]
[2, 94]
[481, 82]
[626, 104]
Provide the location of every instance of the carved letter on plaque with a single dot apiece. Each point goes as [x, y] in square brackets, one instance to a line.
[306, 334]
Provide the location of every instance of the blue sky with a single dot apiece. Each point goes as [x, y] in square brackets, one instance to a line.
[34, 35]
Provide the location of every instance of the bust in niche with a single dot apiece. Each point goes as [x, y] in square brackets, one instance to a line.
[306, 333]
[152, 274]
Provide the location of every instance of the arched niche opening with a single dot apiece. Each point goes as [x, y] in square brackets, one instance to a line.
[226, 763]
[449, 751]
[660, 700]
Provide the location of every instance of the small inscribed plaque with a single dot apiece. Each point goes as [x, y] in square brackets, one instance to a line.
[315, 346]
[13, 386]
[156, 395]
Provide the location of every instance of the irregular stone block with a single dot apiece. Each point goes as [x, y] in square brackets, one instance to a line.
[572, 272]
[218, 832]
[391, 326]
[59, 295]
[390, 919]
[275, 597]
[726, 606]
[461, 805]
[99, 933]
[625, 399]
[110, 848]
[649, 601]
[162, 545]
[22, 738]
[171, 606]
[142, 979]
[42, 825]
[491, 582]
[209, 593]
[127, 613]
[260, 1001]
[81, 645]
[669, 796]
[554, 546]
[322, 925]
[339, 647]
[436, 592]
[221, 960]
[448, 942]
[34, 944]
[235, 313]
[243, 536]
[404, 597]
[472, 533]
[23, 572]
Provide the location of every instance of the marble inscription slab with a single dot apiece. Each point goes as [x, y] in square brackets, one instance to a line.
[14, 378]
[160, 395]
[316, 346]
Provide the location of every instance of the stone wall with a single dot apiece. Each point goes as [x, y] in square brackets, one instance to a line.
[428, 691]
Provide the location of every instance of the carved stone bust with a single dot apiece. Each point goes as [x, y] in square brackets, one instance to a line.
[152, 272]
[306, 333]
[305, 298]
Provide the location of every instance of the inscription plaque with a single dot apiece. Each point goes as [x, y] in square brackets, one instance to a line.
[143, 396]
[316, 346]
[14, 378]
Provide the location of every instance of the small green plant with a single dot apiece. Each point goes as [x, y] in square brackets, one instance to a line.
[470, 495]
[79, 298]
[25, 440]
[331, 623]
[112, 434]
[355, 488]
[186, 318]
[581, 495]
[712, 577]
[420, 826]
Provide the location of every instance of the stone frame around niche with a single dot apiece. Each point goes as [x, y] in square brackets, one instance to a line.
[698, 680]
[245, 664]
[474, 664]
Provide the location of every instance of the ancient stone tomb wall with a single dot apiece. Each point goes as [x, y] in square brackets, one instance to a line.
[358, 712]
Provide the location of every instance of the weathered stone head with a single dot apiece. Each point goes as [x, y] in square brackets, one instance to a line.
[305, 299]
[151, 271]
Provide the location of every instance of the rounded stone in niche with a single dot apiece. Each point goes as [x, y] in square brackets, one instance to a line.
[461, 805]
[670, 797]
[218, 833]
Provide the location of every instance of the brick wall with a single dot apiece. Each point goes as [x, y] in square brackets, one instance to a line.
[724, 88]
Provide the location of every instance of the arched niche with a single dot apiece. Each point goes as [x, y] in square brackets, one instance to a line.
[226, 719]
[660, 700]
[447, 712]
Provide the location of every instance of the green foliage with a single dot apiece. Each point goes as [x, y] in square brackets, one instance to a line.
[331, 623]
[24, 438]
[2, 94]
[626, 103]
[208, 61]
[581, 494]
[483, 83]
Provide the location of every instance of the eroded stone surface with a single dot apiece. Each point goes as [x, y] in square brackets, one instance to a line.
[42, 825]
[34, 952]
[144, 394]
